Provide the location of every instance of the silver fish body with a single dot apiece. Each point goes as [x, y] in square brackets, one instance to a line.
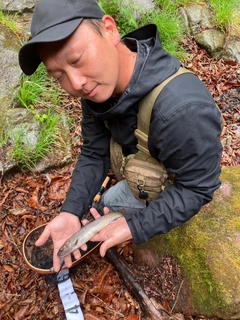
[87, 232]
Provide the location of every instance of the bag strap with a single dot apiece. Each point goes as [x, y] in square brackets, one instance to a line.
[145, 111]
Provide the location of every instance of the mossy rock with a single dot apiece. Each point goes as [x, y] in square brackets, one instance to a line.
[207, 249]
[22, 122]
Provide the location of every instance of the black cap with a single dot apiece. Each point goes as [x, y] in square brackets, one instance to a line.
[54, 20]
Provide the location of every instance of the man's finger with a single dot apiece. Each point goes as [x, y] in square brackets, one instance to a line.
[105, 246]
[68, 261]
[95, 213]
[84, 222]
[76, 253]
[43, 237]
[56, 261]
[106, 210]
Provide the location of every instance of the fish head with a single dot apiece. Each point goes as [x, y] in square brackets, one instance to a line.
[68, 247]
[64, 250]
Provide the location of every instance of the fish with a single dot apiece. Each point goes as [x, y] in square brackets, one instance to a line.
[87, 232]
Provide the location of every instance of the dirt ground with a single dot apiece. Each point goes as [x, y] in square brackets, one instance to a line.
[30, 199]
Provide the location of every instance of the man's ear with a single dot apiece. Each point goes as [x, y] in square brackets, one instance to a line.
[111, 29]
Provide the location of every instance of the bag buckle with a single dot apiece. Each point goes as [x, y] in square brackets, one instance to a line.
[140, 185]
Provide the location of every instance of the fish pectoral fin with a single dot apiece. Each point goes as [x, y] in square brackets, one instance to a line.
[75, 243]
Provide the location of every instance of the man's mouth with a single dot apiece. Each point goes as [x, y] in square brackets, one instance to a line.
[91, 93]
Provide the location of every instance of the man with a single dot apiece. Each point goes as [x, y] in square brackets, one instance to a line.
[81, 48]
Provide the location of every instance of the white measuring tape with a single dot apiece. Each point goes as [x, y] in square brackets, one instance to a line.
[68, 296]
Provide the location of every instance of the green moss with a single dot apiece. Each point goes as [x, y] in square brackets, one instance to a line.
[10, 39]
[207, 245]
[193, 262]
[234, 224]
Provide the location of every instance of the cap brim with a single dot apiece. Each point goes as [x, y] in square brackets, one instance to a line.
[28, 57]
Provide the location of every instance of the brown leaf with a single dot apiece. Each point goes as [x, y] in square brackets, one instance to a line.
[101, 289]
[18, 211]
[21, 190]
[102, 274]
[59, 187]
[133, 317]
[5, 198]
[33, 201]
[93, 316]
[8, 268]
[21, 313]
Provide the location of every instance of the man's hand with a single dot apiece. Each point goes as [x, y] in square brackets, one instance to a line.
[115, 233]
[61, 228]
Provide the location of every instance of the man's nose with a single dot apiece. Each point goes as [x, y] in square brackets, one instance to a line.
[77, 81]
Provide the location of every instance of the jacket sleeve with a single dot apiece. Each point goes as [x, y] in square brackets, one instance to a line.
[92, 165]
[186, 139]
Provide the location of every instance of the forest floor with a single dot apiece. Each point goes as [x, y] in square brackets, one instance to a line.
[30, 199]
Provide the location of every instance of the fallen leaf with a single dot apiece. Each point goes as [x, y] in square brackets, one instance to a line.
[21, 313]
[133, 317]
[8, 268]
[1, 245]
[18, 211]
[33, 201]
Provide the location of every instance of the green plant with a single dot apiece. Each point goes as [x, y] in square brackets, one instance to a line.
[25, 152]
[171, 30]
[9, 21]
[227, 13]
[173, 5]
[130, 17]
[4, 136]
[124, 14]
[39, 90]
[41, 94]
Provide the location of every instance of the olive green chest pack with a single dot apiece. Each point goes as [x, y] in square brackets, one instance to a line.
[146, 176]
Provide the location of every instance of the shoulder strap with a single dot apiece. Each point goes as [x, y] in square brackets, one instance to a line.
[145, 111]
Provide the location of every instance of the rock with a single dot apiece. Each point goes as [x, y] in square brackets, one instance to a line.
[16, 118]
[231, 50]
[61, 153]
[196, 17]
[10, 70]
[21, 122]
[207, 249]
[146, 5]
[211, 40]
[198, 20]
[13, 6]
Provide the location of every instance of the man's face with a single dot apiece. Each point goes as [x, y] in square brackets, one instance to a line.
[86, 64]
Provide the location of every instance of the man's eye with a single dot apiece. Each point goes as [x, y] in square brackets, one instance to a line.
[75, 61]
[58, 77]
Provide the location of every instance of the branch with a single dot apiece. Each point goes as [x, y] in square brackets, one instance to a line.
[129, 277]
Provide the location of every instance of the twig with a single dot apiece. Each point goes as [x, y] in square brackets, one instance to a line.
[47, 293]
[179, 289]
[42, 302]
[130, 279]
[102, 301]
[5, 198]
[10, 235]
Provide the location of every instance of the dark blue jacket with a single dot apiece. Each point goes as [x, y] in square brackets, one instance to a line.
[184, 136]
